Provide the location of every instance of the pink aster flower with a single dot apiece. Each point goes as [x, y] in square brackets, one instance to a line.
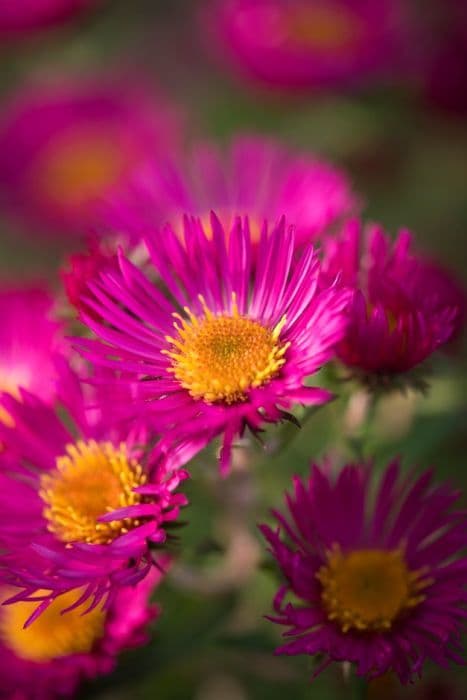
[65, 147]
[257, 177]
[230, 343]
[48, 659]
[23, 17]
[379, 582]
[308, 43]
[29, 339]
[81, 506]
[405, 306]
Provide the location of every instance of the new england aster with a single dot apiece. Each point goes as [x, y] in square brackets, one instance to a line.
[29, 339]
[254, 176]
[313, 44]
[377, 580]
[219, 343]
[404, 308]
[68, 144]
[81, 507]
[49, 658]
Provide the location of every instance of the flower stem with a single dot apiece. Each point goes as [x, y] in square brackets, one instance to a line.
[360, 688]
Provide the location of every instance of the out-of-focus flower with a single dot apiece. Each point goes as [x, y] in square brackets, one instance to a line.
[405, 307]
[315, 44]
[256, 176]
[29, 341]
[81, 506]
[228, 347]
[23, 17]
[81, 268]
[66, 147]
[380, 582]
[49, 658]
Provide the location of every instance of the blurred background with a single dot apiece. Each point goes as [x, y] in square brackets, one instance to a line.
[157, 76]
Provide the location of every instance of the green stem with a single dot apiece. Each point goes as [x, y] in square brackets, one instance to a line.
[360, 688]
[358, 418]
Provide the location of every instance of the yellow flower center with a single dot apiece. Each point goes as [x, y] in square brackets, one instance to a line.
[79, 167]
[220, 358]
[369, 589]
[322, 27]
[52, 634]
[92, 479]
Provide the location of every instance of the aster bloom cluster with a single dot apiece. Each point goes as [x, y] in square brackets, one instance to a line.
[221, 296]
[80, 508]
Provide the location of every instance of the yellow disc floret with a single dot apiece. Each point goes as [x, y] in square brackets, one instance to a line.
[220, 358]
[369, 589]
[51, 635]
[90, 480]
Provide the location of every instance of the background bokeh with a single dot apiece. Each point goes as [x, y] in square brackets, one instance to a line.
[408, 158]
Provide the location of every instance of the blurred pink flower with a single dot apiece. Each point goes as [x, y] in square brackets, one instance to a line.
[48, 659]
[20, 18]
[405, 307]
[308, 43]
[255, 176]
[66, 147]
[29, 342]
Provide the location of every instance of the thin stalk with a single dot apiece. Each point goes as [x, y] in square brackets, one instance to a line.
[360, 688]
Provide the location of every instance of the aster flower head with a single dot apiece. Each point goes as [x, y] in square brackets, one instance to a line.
[376, 581]
[254, 176]
[228, 344]
[405, 306]
[81, 506]
[29, 340]
[308, 43]
[69, 144]
[50, 658]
